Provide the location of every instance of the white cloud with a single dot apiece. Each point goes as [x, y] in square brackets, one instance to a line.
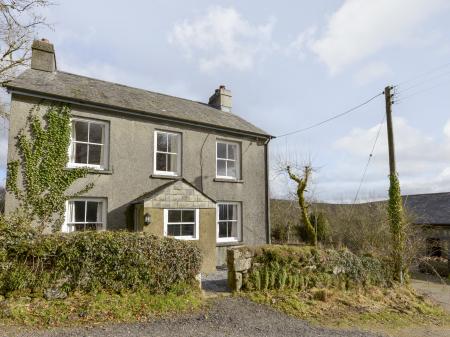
[222, 38]
[447, 128]
[360, 28]
[423, 162]
[371, 72]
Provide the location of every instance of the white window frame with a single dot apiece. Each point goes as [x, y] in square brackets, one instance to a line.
[67, 226]
[238, 222]
[155, 151]
[237, 160]
[105, 145]
[196, 225]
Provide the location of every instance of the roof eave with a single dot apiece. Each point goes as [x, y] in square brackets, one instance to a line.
[71, 100]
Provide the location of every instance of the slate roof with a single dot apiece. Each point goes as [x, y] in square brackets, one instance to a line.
[83, 89]
[430, 208]
[427, 209]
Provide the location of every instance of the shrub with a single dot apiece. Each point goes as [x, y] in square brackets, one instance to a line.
[302, 268]
[93, 261]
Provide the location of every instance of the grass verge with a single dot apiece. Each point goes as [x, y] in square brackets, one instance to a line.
[373, 309]
[102, 307]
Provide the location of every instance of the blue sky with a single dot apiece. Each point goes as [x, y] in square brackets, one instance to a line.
[289, 64]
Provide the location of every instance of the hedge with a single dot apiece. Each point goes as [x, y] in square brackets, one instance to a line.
[93, 261]
[302, 268]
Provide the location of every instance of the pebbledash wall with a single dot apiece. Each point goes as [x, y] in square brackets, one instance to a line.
[130, 172]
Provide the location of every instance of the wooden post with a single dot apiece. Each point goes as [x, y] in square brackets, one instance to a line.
[390, 132]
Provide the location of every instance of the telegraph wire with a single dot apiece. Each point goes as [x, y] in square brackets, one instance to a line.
[424, 74]
[369, 159]
[331, 118]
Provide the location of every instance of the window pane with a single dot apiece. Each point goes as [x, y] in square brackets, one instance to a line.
[231, 169]
[79, 208]
[232, 229]
[91, 227]
[231, 212]
[221, 150]
[174, 215]
[172, 163]
[188, 216]
[173, 143]
[223, 212]
[222, 229]
[81, 131]
[95, 154]
[173, 230]
[221, 167]
[91, 211]
[187, 229]
[161, 162]
[81, 153]
[79, 227]
[161, 141]
[96, 133]
[232, 151]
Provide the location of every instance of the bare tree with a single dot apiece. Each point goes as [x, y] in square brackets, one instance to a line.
[302, 184]
[19, 20]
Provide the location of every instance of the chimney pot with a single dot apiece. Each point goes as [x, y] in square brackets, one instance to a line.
[221, 99]
[43, 56]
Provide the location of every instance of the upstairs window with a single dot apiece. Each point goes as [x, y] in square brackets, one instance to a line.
[89, 144]
[85, 214]
[228, 160]
[228, 222]
[181, 223]
[167, 153]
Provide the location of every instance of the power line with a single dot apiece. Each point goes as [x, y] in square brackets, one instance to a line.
[418, 92]
[402, 90]
[368, 160]
[424, 74]
[331, 118]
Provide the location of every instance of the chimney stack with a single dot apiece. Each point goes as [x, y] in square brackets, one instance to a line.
[43, 56]
[221, 99]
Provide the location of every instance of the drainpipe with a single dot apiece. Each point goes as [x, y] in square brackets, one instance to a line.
[268, 226]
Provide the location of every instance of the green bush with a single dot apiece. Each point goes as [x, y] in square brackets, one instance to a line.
[93, 261]
[302, 268]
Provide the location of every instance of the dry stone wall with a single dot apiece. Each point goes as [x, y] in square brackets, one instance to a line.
[239, 262]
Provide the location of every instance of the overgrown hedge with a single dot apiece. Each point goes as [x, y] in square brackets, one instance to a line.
[302, 268]
[92, 261]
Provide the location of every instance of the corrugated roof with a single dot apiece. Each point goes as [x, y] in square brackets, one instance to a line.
[88, 90]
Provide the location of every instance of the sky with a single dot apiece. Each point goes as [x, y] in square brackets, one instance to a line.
[289, 65]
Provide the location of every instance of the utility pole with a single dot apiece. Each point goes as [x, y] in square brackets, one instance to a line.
[395, 207]
[390, 133]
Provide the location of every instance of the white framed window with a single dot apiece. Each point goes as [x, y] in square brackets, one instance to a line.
[227, 160]
[229, 223]
[181, 223]
[83, 214]
[89, 144]
[167, 151]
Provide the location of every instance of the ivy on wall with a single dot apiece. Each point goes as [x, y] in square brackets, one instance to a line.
[40, 178]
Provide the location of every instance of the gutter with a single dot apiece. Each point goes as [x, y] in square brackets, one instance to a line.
[138, 113]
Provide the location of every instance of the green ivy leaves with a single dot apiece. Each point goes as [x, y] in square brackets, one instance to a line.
[43, 152]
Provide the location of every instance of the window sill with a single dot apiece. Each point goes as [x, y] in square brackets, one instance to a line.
[162, 176]
[222, 180]
[92, 171]
[229, 244]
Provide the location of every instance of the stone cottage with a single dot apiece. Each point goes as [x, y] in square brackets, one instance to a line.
[160, 164]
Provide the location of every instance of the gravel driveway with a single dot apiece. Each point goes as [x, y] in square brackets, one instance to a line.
[225, 317]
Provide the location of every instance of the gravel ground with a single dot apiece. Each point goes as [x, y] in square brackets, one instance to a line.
[224, 317]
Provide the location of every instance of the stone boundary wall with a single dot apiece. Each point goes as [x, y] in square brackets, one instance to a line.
[239, 262]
